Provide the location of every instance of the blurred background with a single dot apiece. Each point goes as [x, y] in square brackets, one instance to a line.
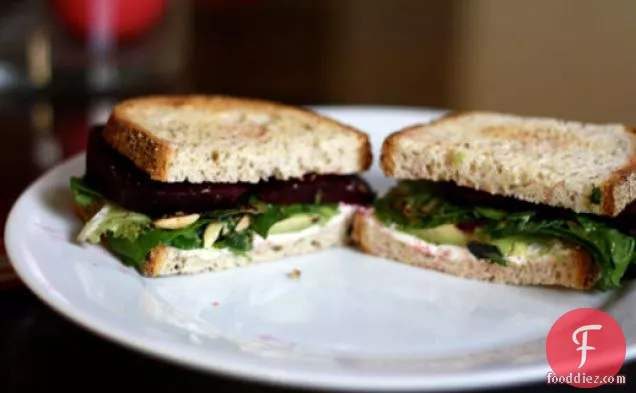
[64, 62]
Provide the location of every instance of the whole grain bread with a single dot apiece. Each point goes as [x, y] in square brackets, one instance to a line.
[588, 168]
[199, 138]
[168, 261]
[563, 266]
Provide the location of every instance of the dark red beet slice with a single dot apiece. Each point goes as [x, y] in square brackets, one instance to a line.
[470, 226]
[118, 179]
[351, 189]
[122, 182]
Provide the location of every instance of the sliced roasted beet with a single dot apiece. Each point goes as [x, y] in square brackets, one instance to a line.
[350, 189]
[465, 195]
[122, 182]
[470, 226]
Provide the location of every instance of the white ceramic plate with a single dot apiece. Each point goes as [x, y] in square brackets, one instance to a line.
[350, 322]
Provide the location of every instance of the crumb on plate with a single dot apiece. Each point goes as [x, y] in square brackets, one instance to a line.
[294, 274]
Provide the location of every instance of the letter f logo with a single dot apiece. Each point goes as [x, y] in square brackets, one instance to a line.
[584, 347]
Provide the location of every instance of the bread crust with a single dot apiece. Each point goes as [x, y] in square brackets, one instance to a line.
[389, 146]
[618, 187]
[366, 155]
[156, 259]
[149, 153]
[155, 155]
[575, 271]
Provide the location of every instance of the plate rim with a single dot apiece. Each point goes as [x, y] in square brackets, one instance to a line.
[170, 353]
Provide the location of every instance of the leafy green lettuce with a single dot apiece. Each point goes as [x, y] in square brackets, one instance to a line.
[84, 195]
[270, 214]
[421, 204]
[131, 236]
[612, 249]
[134, 251]
[113, 220]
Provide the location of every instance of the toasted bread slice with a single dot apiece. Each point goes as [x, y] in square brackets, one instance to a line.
[563, 266]
[169, 261]
[588, 168]
[228, 139]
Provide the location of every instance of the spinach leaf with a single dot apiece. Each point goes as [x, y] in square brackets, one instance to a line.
[131, 236]
[237, 242]
[127, 251]
[263, 222]
[180, 238]
[271, 214]
[135, 251]
[610, 248]
[225, 214]
[84, 195]
[419, 204]
[187, 240]
[422, 204]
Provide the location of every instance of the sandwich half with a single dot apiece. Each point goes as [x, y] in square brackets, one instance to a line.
[186, 184]
[508, 199]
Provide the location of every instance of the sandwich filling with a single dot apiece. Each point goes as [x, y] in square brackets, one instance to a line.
[133, 214]
[504, 230]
